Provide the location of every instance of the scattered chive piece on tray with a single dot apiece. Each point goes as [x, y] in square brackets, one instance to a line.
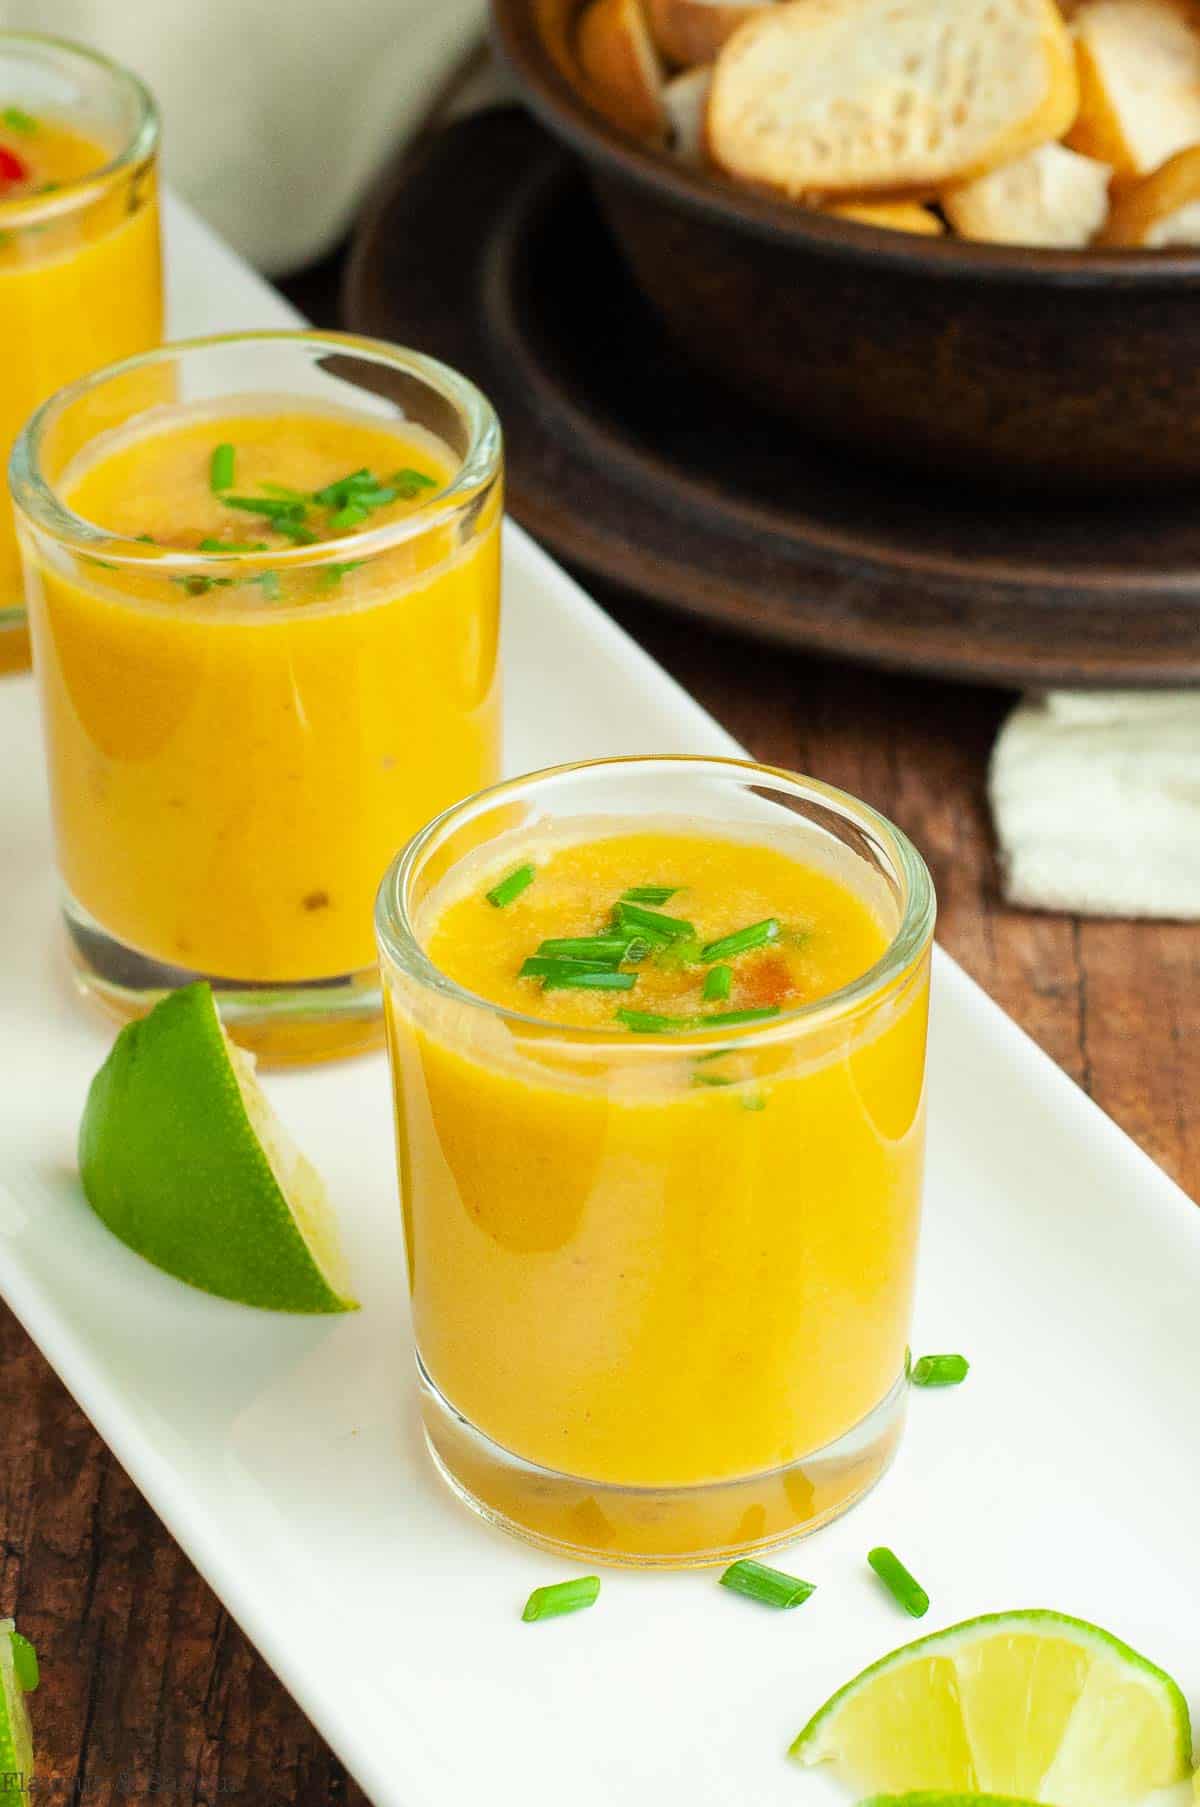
[221, 468]
[649, 894]
[562, 1597]
[718, 983]
[742, 940]
[730, 1018]
[770, 1587]
[18, 120]
[940, 1371]
[510, 888]
[904, 1588]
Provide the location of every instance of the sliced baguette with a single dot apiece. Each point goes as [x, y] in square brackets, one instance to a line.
[1050, 197]
[1139, 82]
[693, 31]
[894, 216]
[1161, 210]
[621, 68]
[686, 99]
[895, 96]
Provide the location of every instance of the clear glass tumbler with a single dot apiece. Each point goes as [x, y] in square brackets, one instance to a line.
[80, 262]
[661, 1285]
[238, 739]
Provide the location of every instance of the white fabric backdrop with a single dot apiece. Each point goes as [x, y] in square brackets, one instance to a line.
[277, 113]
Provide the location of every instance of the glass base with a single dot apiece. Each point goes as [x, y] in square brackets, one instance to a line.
[658, 1527]
[283, 1025]
[14, 641]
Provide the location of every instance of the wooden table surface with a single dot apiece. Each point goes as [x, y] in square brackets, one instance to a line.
[150, 1693]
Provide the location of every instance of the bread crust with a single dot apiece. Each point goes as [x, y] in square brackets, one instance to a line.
[620, 66]
[1143, 211]
[694, 31]
[788, 112]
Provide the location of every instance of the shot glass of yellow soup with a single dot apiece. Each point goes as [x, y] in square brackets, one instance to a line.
[263, 578]
[657, 1033]
[80, 265]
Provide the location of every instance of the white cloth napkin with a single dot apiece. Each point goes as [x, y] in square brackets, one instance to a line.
[1096, 802]
[276, 113]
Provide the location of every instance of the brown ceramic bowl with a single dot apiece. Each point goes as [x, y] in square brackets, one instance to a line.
[1065, 370]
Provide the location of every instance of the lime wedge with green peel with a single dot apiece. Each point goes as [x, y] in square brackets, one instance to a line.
[183, 1158]
[924, 1799]
[18, 1677]
[1031, 1705]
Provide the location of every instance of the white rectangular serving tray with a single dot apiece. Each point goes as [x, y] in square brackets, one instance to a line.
[286, 1458]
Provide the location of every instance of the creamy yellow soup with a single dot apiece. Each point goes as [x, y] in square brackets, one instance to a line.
[80, 285]
[234, 757]
[678, 1253]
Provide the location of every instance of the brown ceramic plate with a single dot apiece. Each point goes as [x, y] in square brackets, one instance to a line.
[1072, 369]
[484, 247]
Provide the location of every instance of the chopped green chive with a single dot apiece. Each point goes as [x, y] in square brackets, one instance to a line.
[643, 1022]
[104, 563]
[268, 583]
[753, 1101]
[673, 956]
[903, 1587]
[940, 1371]
[713, 1079]
[353, 515]
[332, 575]
[741, 942]
[410, 483]
[649, 894]
[510, 888]
[546, 966]
[728, 1018]
[651, 923]
[771, 1587]
[18, 120]
[25, 1663]
[147, 539]
[562, 1597]
[220, 469]
[334, 494]
[200, 586]
[295, 530]
[598, 950]
[272, 508]
[233, 546]
[288, 494]
[583, 978]
[718, 983]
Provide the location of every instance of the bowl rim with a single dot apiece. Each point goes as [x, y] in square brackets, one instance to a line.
[567, 114]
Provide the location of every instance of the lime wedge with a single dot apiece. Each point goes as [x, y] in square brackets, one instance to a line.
[945, 1800]
[183, 1158]
[16, 1740]
[1026, 1704]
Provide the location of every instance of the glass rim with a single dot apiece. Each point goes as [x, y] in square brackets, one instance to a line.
[400, 945]
[81, 191]
[37, 499]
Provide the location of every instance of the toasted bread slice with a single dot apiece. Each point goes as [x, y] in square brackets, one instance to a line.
[889, 96]
[1050, 197]
[1161, 210]
[1139, 82]
[686, 100]
[894, 216]
[693, 31]
[621, 68]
